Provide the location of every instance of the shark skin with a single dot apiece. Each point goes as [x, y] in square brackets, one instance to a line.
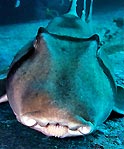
[62, 83]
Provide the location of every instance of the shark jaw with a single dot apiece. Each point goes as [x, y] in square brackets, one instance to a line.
[56, 129]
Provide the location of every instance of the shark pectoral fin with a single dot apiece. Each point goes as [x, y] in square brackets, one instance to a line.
[107, 67]
[23, 51]
[101, 54]
[3, 98]
[119, 101]
[118, 91]
[20, 58]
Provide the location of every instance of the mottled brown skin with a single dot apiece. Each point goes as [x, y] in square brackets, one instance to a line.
[25, 78]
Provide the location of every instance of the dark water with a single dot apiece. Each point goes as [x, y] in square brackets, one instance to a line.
[29, 10]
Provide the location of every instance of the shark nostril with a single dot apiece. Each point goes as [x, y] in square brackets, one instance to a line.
[28, 121]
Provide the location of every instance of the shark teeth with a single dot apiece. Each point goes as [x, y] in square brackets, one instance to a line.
[56, 130]
[52, 130]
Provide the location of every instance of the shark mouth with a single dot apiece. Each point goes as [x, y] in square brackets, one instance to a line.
[52, 130]
[62, 131]
[57, 129]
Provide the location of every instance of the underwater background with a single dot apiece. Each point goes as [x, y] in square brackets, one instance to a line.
[19, 23]
[18, 11]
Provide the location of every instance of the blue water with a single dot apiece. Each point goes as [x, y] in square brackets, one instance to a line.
[16, 11]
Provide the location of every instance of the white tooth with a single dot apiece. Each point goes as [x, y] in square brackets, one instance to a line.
[28, 121]
[85, 129]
